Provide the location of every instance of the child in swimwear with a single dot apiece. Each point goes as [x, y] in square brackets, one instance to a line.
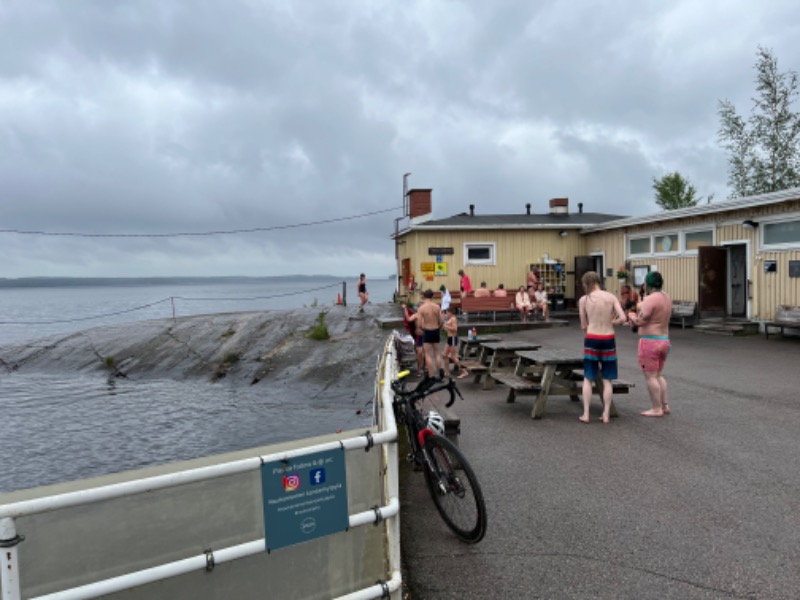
[451, 346]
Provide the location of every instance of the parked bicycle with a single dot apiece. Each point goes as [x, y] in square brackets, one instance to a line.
[451, 481]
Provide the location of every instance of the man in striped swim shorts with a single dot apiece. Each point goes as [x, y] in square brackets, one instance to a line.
[653, 322]
[599, 311]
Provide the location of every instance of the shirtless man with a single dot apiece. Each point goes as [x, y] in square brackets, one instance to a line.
[653, 322]
[430, 315]
[597, 310]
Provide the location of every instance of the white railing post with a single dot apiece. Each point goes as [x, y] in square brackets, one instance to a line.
[9, 562]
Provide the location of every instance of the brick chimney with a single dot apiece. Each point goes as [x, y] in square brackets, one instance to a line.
[419, 203]
[559, 206]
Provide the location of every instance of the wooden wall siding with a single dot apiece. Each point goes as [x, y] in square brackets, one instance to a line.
[515, 251]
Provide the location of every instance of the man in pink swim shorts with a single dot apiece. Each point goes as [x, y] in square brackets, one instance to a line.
[652, 320]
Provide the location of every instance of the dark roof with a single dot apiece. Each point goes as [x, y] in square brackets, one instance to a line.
[521, 221]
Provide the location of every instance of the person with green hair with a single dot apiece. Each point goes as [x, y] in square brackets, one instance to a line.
[652, 321]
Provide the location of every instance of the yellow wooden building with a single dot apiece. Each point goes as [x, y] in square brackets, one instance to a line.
[738, 258]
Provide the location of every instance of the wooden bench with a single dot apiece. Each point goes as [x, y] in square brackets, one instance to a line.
[519, 384]
[476, 368]
[683, 312]
[470, 305]
[516, 384]
[786, 317]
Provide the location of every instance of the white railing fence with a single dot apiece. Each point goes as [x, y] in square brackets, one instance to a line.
[219, 503]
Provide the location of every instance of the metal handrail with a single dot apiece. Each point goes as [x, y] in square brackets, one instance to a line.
[387, 439]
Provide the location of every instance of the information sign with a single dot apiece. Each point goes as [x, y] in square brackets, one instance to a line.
[304, 498]
[441, 268]
[427, 268]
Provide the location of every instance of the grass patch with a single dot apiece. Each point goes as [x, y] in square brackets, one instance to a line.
[231, 358]
[110, 362]
[227, 334]
[320, 330]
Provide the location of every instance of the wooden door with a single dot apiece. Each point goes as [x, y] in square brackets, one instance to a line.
[712, 262]
[583, 264]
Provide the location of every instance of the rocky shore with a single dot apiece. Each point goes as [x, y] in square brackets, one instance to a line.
[243, 348]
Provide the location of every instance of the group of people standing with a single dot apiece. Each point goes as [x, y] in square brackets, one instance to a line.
[599, 312]
[427, 324]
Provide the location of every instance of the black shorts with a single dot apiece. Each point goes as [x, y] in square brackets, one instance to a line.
[431, 336]
[452, 340]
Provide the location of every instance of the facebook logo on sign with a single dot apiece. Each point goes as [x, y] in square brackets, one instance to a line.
[317, 476]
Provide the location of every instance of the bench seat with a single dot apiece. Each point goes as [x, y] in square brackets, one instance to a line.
[683, 312]
[490, 305]
[786, 317]
[476, 368]
[516, 384]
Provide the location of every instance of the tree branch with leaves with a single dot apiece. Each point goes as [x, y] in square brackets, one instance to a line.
[764, 150]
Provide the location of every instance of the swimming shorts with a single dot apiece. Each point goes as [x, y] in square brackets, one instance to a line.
[362, 288]
[452, 340]
[418, 340]
[653, 350]
[431, 336]
[599, 351]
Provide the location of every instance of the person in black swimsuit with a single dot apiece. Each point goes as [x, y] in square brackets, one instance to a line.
[362, 292]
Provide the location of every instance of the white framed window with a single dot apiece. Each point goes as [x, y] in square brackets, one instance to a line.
[669, 243]
[783, 234]
[692, 240]
[479, 253]
[639, 245]
[666, 243]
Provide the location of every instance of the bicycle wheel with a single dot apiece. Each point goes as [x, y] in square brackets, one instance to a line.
[455, 489]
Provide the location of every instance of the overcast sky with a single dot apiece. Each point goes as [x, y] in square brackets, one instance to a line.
[154, 117]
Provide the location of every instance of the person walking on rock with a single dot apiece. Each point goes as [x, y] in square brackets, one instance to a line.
[597, 308]
[652, 320]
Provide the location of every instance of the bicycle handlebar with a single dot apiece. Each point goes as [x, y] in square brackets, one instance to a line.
[418, 394]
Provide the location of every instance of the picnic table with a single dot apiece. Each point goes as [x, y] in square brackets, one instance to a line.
[492, 354]
[468, 346]
[559, 373]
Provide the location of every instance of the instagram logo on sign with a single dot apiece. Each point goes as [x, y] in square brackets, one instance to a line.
[291, 482]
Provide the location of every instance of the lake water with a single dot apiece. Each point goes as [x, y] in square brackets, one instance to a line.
[55, 429]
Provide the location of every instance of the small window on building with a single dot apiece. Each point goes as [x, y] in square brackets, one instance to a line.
[479, 254]
[695, 239]
[787, 233]
[639, 245]
[666, 243]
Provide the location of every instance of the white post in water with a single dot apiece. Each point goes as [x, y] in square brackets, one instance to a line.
[9, 562]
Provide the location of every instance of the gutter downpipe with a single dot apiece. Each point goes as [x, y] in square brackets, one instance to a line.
[9, 564]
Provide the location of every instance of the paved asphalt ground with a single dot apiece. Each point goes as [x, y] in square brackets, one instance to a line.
[703, 503]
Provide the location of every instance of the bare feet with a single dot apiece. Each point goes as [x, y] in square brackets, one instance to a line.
[464, 373]
[583, 419]
[666, 409]
[605, 418]
[653, 413]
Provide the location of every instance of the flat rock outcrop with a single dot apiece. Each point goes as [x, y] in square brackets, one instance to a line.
[243, 348]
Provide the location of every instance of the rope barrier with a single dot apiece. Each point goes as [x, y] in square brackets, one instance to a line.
[171, 299]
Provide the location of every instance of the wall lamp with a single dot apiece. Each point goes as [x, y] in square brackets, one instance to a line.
[563, 233]
[749, 224]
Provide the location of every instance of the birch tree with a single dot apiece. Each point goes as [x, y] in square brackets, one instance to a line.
[764, 150]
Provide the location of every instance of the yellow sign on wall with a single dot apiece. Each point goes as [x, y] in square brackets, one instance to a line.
[427, 268]
[441, 268]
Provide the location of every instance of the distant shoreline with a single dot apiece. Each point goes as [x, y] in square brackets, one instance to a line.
[34, 282]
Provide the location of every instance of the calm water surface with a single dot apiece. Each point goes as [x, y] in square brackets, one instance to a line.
[55, 429]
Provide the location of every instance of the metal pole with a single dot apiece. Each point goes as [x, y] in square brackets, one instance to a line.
[9, 562]
[172, 299]
[344, 293]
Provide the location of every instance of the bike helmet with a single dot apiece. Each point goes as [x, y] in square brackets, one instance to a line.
[436, 422]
